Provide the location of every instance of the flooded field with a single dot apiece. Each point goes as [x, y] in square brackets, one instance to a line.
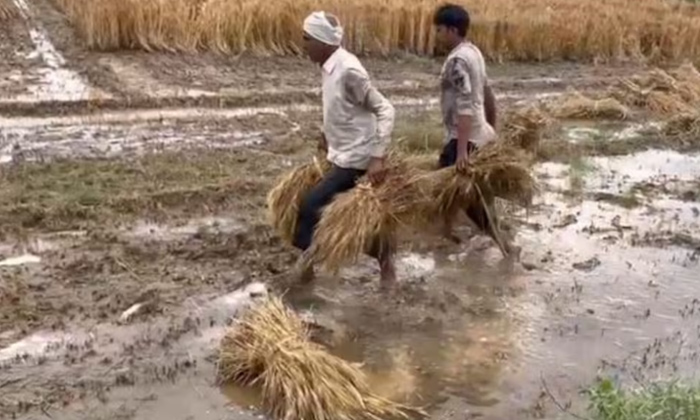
[132, 229]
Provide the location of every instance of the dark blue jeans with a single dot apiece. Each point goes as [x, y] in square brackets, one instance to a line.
[475, 211]
[336, 181]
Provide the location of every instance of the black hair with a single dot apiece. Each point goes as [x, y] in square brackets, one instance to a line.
[452, 16]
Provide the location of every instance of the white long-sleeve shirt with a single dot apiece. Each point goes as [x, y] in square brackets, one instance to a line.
[357, 119]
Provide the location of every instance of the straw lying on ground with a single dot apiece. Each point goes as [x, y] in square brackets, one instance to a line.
[578, 106]
[270, 348]
[284, 200]
[354, 220]
[7, 10]
[683, 125]
[525, 127]
[661, 92]
[539, 31]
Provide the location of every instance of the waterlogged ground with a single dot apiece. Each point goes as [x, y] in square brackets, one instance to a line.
[112, 306]
[132, 229]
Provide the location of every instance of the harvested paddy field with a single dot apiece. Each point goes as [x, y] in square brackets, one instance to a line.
[133, 179]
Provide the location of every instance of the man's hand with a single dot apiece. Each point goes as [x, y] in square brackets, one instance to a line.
[376, 171]
[322, 144]
[462, 162]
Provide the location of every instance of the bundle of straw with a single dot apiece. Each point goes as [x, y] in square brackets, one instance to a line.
[284, 200]
[578, 106]
[270, 348]
[525, 127]
[498, 170]
[688, 81]
[367, 216]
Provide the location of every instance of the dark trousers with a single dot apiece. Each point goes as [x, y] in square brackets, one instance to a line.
[336, 181]
[476, 210]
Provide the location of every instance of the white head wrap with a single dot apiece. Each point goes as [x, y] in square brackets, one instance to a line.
[317, 26]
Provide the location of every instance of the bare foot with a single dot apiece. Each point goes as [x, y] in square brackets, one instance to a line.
[513, 252]
[304, 270]
[450, 236]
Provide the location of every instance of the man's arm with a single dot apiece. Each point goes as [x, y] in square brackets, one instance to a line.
[489, 105]
[461, 82]
[361, 92]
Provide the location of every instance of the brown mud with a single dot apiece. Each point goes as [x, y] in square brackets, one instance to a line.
[132, 194]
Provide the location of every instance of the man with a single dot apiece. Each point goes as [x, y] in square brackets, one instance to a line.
[468, 110]
[357, 126]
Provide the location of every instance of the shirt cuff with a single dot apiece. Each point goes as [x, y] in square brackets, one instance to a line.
[378, 150]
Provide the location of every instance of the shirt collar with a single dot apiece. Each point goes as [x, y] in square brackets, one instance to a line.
[457, 47]
[332, 61]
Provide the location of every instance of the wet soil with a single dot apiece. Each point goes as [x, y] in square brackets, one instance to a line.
[121, 318]
[132, 228]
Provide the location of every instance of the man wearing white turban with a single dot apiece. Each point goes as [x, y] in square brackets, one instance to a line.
[357, 126]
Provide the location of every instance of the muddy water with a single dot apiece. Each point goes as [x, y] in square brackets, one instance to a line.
[128, 133]
[471, 334]
[440, 337]
[466, 334]
[604, 291]
[41, 143]
[587, 131]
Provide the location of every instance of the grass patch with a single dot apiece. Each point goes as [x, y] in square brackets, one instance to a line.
[628, 200]
[420, 133]
[579, 168]
[668, 401]
[77, 194]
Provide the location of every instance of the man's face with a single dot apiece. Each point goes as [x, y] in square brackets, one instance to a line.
[444, 37]
[313, 48]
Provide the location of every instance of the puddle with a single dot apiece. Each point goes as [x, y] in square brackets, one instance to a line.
[220, 310]
[576, 318]
[53, 82]
[101, 141]
[592, 131]
[30, 249]
[441, 336]
[105, 339]
[615, 224]
[40, 345]
[146, 115]
[21, 260]
[618, 175]
[205, 225]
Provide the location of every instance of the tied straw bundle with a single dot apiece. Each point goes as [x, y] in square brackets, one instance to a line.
[367, 216]
[354, 220]
[524, 128]
[270, 348]
[498, 170]
[284, 200]
[579, 106]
